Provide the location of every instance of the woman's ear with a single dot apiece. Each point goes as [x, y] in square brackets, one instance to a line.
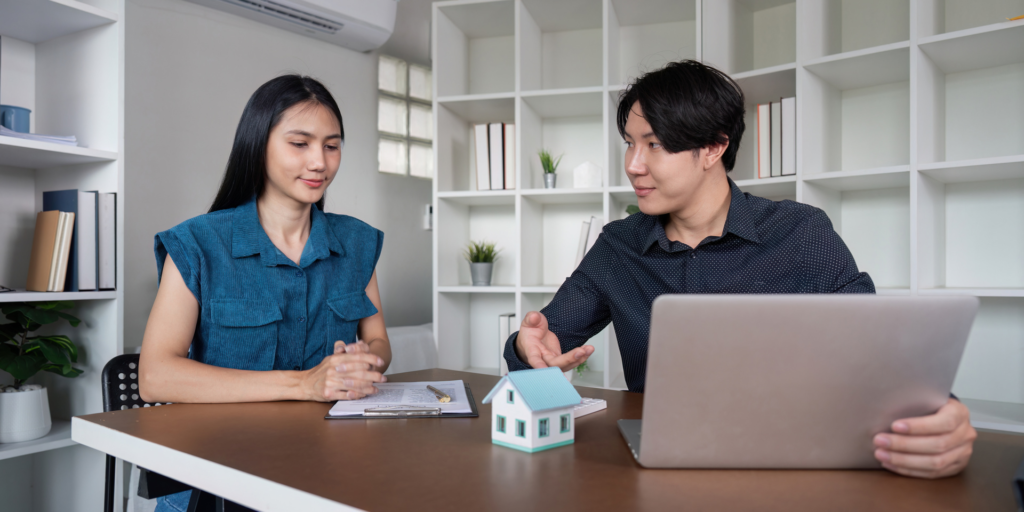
[713, 154]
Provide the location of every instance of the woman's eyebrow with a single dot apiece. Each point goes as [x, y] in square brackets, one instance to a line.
[307, 134]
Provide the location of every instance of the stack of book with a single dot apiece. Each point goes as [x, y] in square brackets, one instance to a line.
[74, 244]
[776, 138]
[588, 236]
[495, 147]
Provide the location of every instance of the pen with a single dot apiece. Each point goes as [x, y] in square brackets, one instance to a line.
[441, 395]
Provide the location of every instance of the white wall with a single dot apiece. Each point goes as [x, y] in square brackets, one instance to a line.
[188, 72]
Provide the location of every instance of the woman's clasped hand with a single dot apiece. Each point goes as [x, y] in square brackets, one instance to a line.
[348, 374]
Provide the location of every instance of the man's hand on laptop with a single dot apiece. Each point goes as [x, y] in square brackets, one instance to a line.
[540, 348]
[932, 446]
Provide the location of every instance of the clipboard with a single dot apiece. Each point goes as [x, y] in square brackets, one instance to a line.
[415, 412]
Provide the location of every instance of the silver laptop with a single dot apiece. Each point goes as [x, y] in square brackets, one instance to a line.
[791, 381]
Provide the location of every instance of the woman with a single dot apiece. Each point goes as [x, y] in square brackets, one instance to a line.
[264, 297]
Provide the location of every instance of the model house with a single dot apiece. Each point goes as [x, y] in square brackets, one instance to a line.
[532, 410]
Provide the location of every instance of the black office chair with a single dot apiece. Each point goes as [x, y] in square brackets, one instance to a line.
[120, 381]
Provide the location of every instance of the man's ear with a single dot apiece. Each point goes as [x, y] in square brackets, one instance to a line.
[713, 154]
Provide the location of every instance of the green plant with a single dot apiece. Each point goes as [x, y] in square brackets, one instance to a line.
[547, 162]
[582, 368]
[631, 209]
[481, 252]
[22, 355]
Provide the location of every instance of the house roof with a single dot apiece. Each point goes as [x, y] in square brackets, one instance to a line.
[541, 389]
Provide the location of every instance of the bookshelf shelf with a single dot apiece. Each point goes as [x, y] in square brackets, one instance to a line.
[64, 61]
[864, 68]
[476, 289]
[977, 292]
[985, 169]
[37, 22]
[866, 179]
[479, 198]
[58, 437]
[563, 196]
[945, 219]
[772, 188]
[988, 46]
[24, 296]
[769, 84]
[30, 154]
[993, 415]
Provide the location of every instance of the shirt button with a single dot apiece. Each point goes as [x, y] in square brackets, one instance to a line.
[296, 368]
[298, 273]
[302, 319]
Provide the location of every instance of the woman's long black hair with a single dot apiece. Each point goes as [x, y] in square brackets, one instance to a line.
[246, 171]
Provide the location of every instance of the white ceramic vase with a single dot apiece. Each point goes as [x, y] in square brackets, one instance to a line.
[24, 416]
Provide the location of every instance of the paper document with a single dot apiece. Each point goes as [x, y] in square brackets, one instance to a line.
[413, 394]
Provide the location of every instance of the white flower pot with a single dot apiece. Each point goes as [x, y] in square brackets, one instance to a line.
[24, 416]
[569, 374]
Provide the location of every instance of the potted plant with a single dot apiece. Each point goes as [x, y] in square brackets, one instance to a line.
[481, 256]
[578, 371]
[25, 409]
[550, 165]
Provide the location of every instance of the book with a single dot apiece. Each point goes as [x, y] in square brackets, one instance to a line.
[764, 132]
[581, 250]
[61, 254]
[506, 326]
[43, 243]
[483, 161]
[510, 156]
[107, 240]
[497, 149]
[788, 136]
[81, 273]
[596, 226]
[776, 136]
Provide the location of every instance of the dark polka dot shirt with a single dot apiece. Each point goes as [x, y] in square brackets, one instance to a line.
[766, 247]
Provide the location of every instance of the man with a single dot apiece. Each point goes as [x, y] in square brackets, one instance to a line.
[698, 233]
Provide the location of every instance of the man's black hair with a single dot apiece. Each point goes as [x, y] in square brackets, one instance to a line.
[689, 106]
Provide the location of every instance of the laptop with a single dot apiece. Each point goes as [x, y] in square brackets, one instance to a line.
[791, 381]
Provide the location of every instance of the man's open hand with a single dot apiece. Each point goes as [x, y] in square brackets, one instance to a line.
[539, 347]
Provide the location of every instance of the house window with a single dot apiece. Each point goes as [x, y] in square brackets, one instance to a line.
[542, 428]
[520, 428]
[511, 397]
[565, 423]
[405, 119]
[501, 424]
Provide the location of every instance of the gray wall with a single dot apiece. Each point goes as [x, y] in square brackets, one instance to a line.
[188, 73]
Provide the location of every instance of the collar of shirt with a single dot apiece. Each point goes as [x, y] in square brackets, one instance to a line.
[249, 238]
[740, 221]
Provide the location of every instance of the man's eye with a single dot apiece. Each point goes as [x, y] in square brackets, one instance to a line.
[629, 144]
[331, 148]
[299, 144]
[655, 145]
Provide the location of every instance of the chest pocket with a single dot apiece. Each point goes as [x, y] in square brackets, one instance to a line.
[347, 310]
[244, 334]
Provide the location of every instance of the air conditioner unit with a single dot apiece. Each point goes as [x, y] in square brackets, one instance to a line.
[360, 25]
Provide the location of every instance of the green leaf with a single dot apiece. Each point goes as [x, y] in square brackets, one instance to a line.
[25, 366]
[55, 305]
[54, 352]
[631, 209]
[68, 371]
[8, 332]
[73, 320]
[67, 344]
[7, 354]
[40, 316]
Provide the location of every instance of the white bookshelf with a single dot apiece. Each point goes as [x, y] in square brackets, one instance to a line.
[64, 60]
[893, 97]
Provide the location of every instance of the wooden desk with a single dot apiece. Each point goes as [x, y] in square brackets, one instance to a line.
[284, 456]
